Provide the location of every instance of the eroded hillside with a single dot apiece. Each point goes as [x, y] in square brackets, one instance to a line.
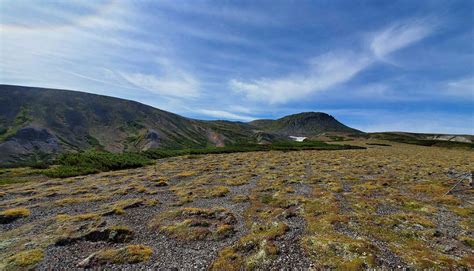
[380, 207]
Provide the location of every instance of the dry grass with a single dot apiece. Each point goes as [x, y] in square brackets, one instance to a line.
[77, 218]
[195, 223]
[126, 255]
[13, 214]
[253, 250]
[119, 207]
[81, 199]
[25, 260]
[195, 190]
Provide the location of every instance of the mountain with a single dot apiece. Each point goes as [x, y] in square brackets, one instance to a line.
[304, 124]
[39, 123]
[80, 120]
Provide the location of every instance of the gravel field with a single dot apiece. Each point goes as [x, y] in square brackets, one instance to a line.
[383, 207]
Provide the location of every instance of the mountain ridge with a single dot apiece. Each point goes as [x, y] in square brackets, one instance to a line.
[39, 123]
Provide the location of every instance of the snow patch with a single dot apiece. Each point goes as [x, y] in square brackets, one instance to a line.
[298, 138]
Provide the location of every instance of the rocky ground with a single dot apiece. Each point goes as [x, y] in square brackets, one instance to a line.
[385, 206]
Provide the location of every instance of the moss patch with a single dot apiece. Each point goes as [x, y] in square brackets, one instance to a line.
[126, 255]
[13, 214]
[26, 259]
[195, 223]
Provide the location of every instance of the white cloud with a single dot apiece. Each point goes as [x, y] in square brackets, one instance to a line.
[222, 12]
[52, 16]
[329, 70]
[325, 71]
[182, 86]
[90, 51]
[224, 115]
[399, 36]
[170, 80]
[211, 34]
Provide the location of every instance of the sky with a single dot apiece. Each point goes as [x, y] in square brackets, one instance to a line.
[374, 65]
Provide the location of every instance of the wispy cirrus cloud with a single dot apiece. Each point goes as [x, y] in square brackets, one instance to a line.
[183, 86]
[324, 72]
[399, 36]
[329, 70]
[169, 80]
[90, 47]
[220, 114]
[56, 16]
[220, 12]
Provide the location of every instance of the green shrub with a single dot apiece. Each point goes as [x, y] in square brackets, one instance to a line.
[92, 161]
[279, 146]
[104, 160]
[63, 171]
[5, 181]
[73, 164]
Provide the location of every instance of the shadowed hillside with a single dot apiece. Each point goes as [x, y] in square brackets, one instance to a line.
[304, 124]
[47, 121]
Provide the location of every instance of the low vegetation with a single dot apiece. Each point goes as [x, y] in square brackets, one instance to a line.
[88, 162]
[195, 223]
[13, 214]
[24, 260]
[126, 255]
[384, 207]
[119, 207]
[254, 250]
[92, 161]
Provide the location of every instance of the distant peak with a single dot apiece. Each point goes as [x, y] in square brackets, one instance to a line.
[308, 114]
[303, 124]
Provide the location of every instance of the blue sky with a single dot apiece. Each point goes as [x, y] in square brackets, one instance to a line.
[374, 65]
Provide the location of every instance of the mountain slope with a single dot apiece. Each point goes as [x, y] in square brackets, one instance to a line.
[38, 121]
[440, 140]
[303, 124]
